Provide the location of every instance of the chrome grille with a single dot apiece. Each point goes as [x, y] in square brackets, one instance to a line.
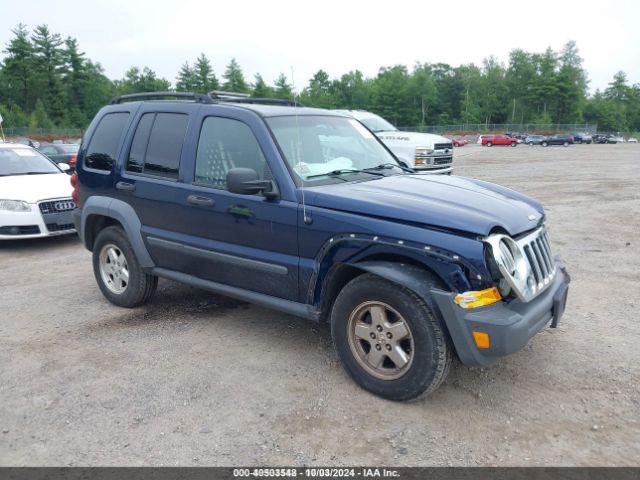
[56, 206]
[526, 263]
[441, 146]
[538, 253]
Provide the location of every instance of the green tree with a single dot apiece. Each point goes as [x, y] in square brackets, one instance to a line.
[205, 79]
[186, 79]
[145, 80]
[39, 117]
[234, 78]
[282, 88]
[260, 88]
[49, 67]
[318, 93]
[17, 70]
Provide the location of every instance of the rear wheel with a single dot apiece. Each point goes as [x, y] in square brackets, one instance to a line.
[117, 271]
[531, 144]
[388, 339]
[544, 144]
[566, 144]
[514, 144]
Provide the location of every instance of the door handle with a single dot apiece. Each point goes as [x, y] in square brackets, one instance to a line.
[201, 201]
[125, 186]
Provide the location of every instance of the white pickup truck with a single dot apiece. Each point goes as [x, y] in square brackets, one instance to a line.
[424, 152]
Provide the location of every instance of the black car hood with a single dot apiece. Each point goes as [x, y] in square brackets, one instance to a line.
[448, 202]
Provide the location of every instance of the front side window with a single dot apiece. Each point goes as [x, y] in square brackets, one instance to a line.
[325, 146]
[102, 150]
[225, 144]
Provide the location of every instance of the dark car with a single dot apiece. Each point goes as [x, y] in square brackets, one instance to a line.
[558, 139]
[582, 138]
[604, 138]
[61, 153]
[534, 139]
[307, 212]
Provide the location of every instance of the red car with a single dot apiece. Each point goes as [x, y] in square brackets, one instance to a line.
[492, 140]
[458, 141]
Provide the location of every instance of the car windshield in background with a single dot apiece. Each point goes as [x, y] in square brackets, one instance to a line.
[20, 160]
[319, 147]
[378, 124]
[69, 148]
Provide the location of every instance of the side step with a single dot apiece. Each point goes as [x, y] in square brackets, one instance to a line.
[286, 306]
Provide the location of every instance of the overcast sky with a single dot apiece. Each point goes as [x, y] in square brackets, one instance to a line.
[272, 36]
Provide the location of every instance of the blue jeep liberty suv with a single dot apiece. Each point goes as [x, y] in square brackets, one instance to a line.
[305, 211]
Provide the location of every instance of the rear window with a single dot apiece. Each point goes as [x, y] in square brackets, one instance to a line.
[102, 150]
[157, 144]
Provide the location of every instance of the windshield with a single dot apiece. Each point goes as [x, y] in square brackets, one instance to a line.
[69, 148]
[377, 124]
[21, 160]
[317, 147]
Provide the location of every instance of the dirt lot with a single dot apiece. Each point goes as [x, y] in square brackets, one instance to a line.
[196, 379]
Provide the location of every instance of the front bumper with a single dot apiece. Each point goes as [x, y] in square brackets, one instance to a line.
[32, 224]
[509, 325]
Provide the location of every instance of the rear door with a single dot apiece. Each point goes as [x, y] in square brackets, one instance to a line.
[149, 177]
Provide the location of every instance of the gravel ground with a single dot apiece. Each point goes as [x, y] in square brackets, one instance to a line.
[197, 379]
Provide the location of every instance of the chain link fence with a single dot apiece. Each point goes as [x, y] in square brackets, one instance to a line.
[477, 128]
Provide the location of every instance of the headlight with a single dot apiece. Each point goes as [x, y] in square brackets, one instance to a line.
[421, 151]
[14, 206]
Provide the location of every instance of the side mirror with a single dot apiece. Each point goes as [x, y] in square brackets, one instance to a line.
[64, 167]
[245, 181]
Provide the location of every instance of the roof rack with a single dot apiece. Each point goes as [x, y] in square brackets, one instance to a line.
[212, 97]
[131, 97]
[235, 97]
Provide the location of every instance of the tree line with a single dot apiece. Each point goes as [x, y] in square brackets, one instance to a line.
[47, 81]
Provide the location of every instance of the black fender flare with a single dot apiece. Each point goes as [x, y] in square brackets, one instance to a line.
[125, 215]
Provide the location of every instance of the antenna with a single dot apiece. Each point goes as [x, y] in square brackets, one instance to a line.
[307, 219]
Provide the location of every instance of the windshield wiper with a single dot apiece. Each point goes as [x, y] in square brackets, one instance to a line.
[384, 166]
[335, 173]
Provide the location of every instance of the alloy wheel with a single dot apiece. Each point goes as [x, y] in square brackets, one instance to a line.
[380, 340]
[114, 269]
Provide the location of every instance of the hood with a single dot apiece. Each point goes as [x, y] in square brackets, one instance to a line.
[416, 139]
[33, 188]
[456, 203]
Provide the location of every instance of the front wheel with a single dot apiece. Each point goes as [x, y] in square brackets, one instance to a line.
[388, 339]
[544, 144]
[117, 271]
[514, 144]
[566, 144]
[489, 144]
[531, 144]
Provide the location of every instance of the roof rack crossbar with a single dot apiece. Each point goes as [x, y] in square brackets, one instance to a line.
[196, 97]
[221, 94]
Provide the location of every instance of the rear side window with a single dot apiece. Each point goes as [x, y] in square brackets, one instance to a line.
[101, 152]
[225, 144]
[157, 144]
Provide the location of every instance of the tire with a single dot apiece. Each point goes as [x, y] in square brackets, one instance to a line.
[544, 144]
[489, 144]
[130, 290]
[565, 144]
[428, 347]
[531, 144]
[514, 144]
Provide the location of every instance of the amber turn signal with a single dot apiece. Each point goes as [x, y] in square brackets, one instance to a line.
[481, 339]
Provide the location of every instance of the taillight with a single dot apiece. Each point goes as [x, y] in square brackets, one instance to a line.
[72, 160]
[75, 195]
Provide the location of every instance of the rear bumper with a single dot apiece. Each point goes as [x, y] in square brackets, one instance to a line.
[509, 325]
